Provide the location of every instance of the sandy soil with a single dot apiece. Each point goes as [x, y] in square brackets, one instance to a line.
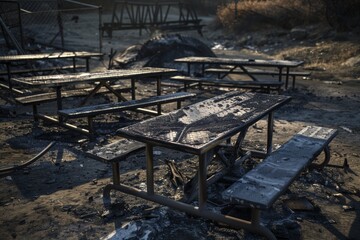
[60, 196]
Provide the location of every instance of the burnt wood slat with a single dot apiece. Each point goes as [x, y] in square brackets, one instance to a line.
[116, 151]
[263, 85]
[260, 187]
[259, 72]
[45, 56]
[256, 72]
[94, 110]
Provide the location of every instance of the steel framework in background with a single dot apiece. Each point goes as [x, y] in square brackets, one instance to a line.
[61, 24]
[163, 15]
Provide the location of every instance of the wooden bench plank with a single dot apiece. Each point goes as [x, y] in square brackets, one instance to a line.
[87, 111]
[259, 72]
[260, 187]
[256, 72]
[114, 153]
[225, 81]
[270, 85]
[51, 96]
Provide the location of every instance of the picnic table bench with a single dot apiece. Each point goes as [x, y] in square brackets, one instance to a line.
[91, 111]
[265, 86]
[114, 153]
[261, 72]
[261, 187]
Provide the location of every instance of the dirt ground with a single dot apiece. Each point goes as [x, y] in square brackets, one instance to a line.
[60, 195]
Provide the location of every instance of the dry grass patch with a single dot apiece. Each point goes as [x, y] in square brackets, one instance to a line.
[255, 15]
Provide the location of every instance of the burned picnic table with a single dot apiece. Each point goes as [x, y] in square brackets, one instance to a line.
[202, 128]
[198, 129]
[253, 68]
[9, 60]
[102, 80]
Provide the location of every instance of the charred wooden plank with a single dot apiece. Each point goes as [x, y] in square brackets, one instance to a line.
[45, 56]
[267, 85]
[224, 81]
[88, 111]
[259, 72]
[261, 186]
[256, 72]
[114, 153]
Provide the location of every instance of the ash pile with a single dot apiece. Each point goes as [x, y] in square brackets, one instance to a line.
[160, 51]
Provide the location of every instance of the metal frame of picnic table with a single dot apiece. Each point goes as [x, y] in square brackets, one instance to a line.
[242, 64]
[104, 78]
[237, 111]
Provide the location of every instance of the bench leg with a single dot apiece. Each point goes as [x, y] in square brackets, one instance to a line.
[287, 77]
[320, 166]
[90, 125]
[200, 32]
[270, 129]
[116, 173]
[178, 104]
[159, 109]
[35, 112]
[293, 82]
[9, 79]
[255, 221]
[149, 169]
[74, 64]
[59, 101]
[133, 89]
[255, 216]
[87, 64]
